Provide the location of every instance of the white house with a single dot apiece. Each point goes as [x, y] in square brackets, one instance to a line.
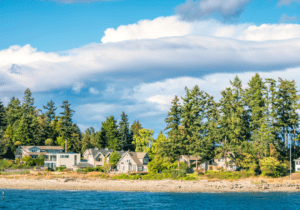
[34, 151]
[297, 164]
[68, 160]
[133, 162]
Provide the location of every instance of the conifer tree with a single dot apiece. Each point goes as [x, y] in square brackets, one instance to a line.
[3, 121]
[112, 135]
[66, 120]
[28, 103]
[50, 113]
[173, 148]
[125, 136]
[192, 120]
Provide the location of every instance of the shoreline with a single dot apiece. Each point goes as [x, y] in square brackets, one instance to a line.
[145, 185]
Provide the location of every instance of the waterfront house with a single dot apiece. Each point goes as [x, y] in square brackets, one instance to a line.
[68, 160]
[297, 164]
[34, 151]
[133, 162]
[219, 163]
[54, 155]
[193, 159]
[96, 157]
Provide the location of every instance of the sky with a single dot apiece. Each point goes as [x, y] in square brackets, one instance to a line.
[106, 57]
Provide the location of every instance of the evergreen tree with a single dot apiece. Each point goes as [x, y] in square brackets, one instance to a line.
[192, 114]
[173, 148]
[3, 121]
[112, 136]
[234, 121]
[125, 136]
[50, 113]
[135, 127]
[101, 138]
[28, 103]
[66, 119]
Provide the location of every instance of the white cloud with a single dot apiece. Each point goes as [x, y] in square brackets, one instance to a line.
[172, 26]
[148, 29]
[287, 2]
[204, 49]
[287, 19]
[93, 90]
[193, 10]
[77, 87]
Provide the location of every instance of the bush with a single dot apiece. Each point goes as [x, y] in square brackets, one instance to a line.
[80, 170]
[88, 169]
[61, 168]
[228, 174]
[99, 169]
[271, 166]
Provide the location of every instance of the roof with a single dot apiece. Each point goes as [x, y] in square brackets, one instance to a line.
[84, 165]
[135, 156]
[96, 152]
[43, 147]
[192, 158]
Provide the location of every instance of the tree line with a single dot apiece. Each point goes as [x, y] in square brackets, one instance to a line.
[250, 125]
[21, 123]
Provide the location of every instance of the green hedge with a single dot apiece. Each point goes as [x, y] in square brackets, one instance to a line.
[228, 174]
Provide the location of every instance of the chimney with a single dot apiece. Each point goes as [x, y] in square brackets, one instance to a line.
[66, 145]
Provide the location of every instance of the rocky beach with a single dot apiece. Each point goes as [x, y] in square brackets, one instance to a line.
[92, 183]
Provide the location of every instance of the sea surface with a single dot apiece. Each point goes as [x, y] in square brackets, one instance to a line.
[38, 199]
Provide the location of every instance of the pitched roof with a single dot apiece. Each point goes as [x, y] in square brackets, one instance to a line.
[84, 165]
[135, 156]
[43, 147]
[96, 152]
[192, 158]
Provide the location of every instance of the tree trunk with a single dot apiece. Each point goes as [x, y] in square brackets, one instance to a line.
[189, 162]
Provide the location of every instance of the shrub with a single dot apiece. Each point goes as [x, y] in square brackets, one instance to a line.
[271, 166]
[61, 168]
[80, 170]
[228, 174]
[88, 169]
[99, 168]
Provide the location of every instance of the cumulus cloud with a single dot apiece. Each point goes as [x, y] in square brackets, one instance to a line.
[202, 48]
[77, 87]
[287, 2]
[155, 29]
[287, 19]
[148, 29]
[93, 91]
[200, 9]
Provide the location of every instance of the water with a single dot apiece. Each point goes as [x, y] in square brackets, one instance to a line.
[38, 199]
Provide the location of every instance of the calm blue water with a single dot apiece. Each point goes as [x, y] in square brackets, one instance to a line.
[35, 199]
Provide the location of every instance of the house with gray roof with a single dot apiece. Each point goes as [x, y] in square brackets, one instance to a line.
[133, 162]
[34, 151]
[97, 157]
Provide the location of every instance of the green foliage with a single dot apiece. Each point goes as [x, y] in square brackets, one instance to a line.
[61, 168]
[39, 160]
[228, 175]
[271, 166]
[114, 158]
[143, 141]
[111, 134]
[247, 161]
[49, 142]
[28, 160]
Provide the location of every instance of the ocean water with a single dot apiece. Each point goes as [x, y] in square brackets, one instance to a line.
[38, 199]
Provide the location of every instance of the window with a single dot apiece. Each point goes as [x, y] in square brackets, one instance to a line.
[127, 160]
[64, 156]
[99, 159]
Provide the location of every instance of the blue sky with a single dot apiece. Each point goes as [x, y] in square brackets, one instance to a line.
[106, 57]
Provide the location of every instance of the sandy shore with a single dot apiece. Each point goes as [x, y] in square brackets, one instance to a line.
[143, 185]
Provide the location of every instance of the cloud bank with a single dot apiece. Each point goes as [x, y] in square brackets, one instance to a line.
[173, 26]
